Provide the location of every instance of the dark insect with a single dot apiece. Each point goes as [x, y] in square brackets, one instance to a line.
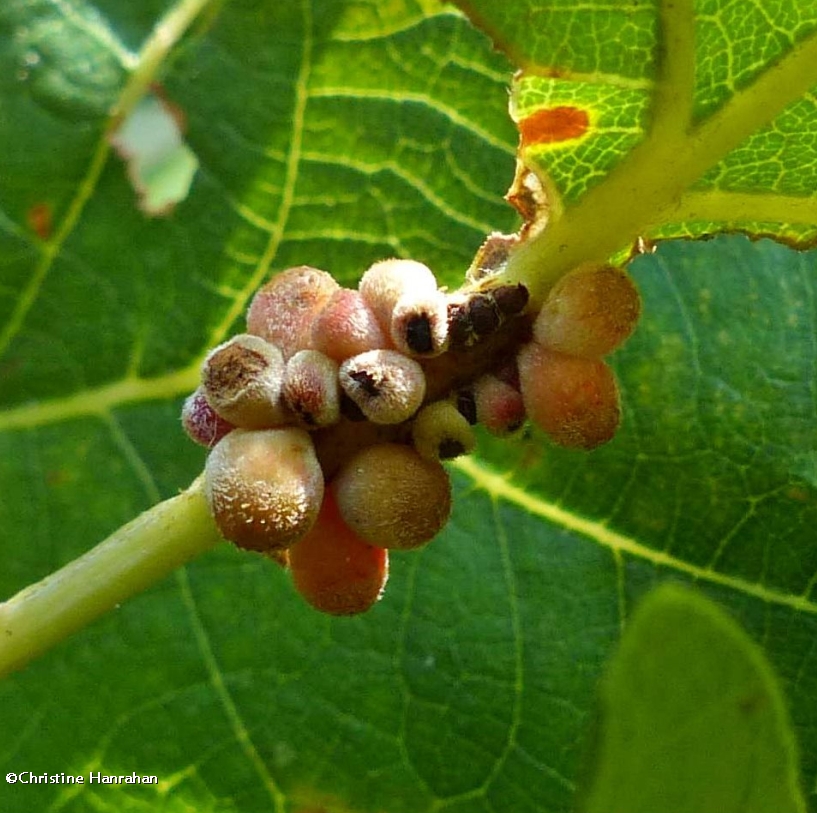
[483, 313]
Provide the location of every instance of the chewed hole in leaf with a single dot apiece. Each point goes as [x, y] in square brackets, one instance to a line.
[160, 165]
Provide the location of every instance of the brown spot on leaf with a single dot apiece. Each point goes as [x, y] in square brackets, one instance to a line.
[752, 703]
[40, 219]
[796, 492]
[57, 477]
[553, 124]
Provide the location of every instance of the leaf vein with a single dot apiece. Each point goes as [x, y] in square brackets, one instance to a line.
[499, 487]
[428, 102]
[293, 163]
[239, 727]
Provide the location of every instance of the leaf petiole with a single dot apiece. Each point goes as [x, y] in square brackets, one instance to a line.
[655, 184]
[127, 562]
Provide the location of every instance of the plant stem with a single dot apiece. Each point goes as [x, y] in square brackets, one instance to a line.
[154, 52]
[647, 188]
[130, 560]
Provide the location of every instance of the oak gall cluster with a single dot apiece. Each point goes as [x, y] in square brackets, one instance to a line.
[329, 419]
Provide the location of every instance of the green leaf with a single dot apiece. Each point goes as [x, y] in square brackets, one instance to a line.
[662, 119]
[691, 717]
[334, 134]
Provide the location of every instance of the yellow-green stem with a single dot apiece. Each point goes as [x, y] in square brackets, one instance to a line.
[647, 188]
[127, 562]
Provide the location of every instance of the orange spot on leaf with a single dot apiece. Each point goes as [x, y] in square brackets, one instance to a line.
[40, 220]
[553, 124]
